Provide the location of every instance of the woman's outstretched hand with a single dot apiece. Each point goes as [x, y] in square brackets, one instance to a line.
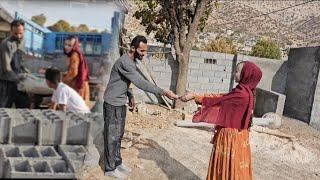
[188, 96]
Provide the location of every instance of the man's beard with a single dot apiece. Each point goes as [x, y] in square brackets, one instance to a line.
[18, 40]
[138, 56]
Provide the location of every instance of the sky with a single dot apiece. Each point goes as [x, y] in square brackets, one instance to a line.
[97, 14]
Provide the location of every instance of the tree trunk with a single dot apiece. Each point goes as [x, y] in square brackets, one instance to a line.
[182, 77]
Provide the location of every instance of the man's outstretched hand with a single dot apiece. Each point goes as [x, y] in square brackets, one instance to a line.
[171, 95]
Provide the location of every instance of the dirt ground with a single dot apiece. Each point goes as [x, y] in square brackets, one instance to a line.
[156, 149]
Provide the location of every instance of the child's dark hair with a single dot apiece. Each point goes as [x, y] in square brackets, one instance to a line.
[53, 75]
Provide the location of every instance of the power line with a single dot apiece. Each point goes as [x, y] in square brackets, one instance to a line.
[148, 52]
[264, 14]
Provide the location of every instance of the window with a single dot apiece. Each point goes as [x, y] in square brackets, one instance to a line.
[210, 61]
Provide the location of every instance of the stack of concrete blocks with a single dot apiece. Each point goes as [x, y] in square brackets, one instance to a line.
[45, 143]
[33, 162]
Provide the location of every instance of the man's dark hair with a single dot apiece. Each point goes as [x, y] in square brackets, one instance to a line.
[53, 75]
[17, 23]
[72, 37]
[136, 41]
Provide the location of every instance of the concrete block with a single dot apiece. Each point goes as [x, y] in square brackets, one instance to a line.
[200, 91]
[35, 162]
[214, 91]
[60, 167]
[193, 89]
[206, 67]
[48, 152]
[195, 72]
[215, 80]
[5, 122]
[38, 169]
[78, 155]
[208, 73]
[206, 86]
[206, 54]
[53, 132]
[48, 128]
[228, 69]
[153, 62]
[192, 79]
[194, 65]
[73, 154]
[268, 101]
[24, 128]
[229, 75]
[41, 167]
[77, 132]
[226, 80]
[218, 67]
[217, 86]
[220, 74]
[92, 157]
[30, 152]
[225, 62]
[202, 79]
[195, 53]
[199, 60]
[223, 91]
[10, 152]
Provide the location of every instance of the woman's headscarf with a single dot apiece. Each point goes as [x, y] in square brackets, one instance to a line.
[83, 70]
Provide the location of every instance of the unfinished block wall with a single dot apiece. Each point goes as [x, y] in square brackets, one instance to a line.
[208, 72]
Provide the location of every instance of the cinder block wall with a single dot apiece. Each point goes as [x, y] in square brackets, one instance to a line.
[208, 72]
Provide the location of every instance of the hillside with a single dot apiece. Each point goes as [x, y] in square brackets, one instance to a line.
[293, 27]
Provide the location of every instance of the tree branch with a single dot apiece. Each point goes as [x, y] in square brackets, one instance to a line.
[182, 27]
[170, 8]
[200, 7]
[176, 41]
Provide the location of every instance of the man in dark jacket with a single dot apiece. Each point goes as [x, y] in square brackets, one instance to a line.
[11, 55]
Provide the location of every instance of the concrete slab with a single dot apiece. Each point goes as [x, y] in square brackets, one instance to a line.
[268, 101]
